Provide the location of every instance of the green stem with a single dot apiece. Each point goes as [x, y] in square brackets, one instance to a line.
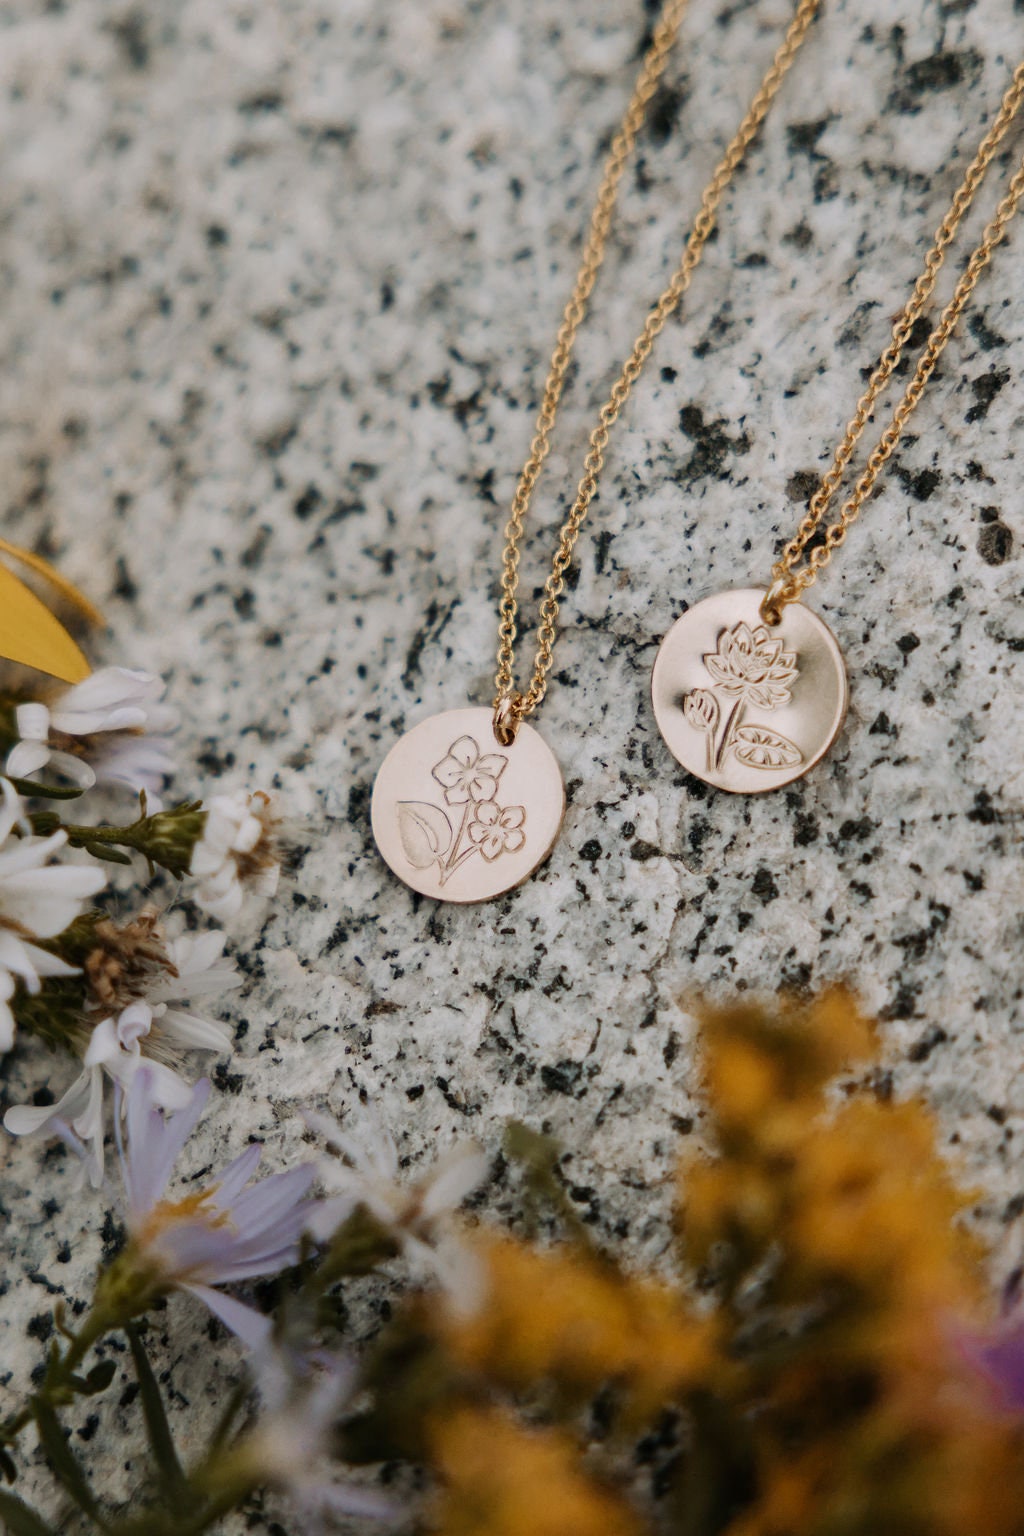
[57, 1386]
[167, 838]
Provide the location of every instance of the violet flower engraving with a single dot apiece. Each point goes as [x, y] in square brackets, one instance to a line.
[749, 668]
[480, 826]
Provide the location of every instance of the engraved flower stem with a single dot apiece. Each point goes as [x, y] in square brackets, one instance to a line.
[449, 865]
[732, 720]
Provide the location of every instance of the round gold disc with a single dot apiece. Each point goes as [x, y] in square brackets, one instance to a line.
[744, 705]
[460, 817]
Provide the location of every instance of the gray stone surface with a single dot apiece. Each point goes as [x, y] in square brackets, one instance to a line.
[278, 284]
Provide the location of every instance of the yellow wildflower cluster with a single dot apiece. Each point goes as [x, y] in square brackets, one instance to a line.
[804, 1376]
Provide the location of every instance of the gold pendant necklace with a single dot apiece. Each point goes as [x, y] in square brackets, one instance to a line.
[749, 687]
[469, 803]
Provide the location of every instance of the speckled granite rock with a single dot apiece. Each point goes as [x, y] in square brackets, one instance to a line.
[278, 283]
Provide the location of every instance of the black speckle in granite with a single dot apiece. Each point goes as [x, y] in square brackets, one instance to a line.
[713, 447]
[921, 484]
[763, 885]
[805, 829]
[941, 71]
[988, 340]
[131, 34]
[802, 486]
[602, 544]
[227, 1082]
[252, 556]
[261, 102]
[995, 542]
[244, 602]
[112, 1235]
[917, 944]
[415, 1092]
[663, 113]
[908, 643]
[983, 810]
[124, 584]
[984, 389]
[700, 829]
[926, 1043]
[564, 1077]
[641, 851]
[802, 138]
[40, 1326]
[903, 1004]
[591, 851]
[454, 1100]
[882, 726]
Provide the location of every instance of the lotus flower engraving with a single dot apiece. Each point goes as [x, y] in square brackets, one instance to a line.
[481, 827]
[749, 669]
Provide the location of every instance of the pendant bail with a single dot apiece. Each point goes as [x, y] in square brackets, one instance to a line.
[783, 590]
[508, 717]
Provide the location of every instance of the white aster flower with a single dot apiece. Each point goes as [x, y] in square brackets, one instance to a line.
[38, 900]
[237, 852]
[150, 983]
[302, 1399]
[368, 1174]
[110, 729]
[213, 1234]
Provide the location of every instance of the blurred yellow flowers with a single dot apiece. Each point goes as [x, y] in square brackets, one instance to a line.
[802, 1373]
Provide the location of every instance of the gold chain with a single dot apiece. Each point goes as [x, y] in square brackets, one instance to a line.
[789, 581]
[512, 707]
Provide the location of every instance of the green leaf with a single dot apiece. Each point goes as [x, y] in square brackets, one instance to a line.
[19, 1520]
[29, 787]
[538, 1156]
[106, 852]
[100, 1377]
[63, 1461]
[173, 1483]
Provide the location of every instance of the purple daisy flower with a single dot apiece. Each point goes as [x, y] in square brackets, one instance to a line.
[218, 1233]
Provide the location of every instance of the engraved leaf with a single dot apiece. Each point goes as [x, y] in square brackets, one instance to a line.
[757, 747]
[425, 831]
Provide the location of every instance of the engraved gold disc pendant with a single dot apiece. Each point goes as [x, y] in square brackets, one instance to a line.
[460, 817]
[744, 705]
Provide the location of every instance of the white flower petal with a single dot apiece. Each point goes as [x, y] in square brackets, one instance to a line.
[25, 758]
[252, 1327]
[103, 1044]
[455, 1177]
[26, 1119]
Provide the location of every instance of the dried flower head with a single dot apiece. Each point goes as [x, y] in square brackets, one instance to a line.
[124, 960]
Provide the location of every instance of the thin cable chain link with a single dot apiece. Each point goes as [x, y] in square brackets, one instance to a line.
[789, 582]
[521, 705]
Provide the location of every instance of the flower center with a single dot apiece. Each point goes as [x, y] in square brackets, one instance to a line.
[167, 1214]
